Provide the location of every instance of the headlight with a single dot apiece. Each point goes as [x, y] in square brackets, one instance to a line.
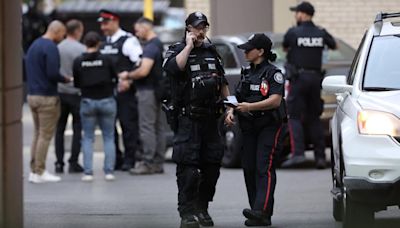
[378, 123]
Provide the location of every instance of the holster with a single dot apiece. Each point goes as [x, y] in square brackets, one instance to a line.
[171, 114]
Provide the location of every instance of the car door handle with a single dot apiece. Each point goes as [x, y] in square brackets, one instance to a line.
[339, 98]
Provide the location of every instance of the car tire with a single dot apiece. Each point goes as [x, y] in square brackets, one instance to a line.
[337, 209]
[337, 202]
[357, 214]
[232, 141]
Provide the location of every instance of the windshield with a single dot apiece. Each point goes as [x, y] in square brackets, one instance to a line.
[383, 69]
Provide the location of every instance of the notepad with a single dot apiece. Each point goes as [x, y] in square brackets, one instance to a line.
[231, 101]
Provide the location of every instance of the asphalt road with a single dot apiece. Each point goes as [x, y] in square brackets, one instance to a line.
[302, 199]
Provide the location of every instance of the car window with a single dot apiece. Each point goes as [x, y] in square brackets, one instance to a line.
[227, 55]
[354, 64]
[383, 68]
[343, 53]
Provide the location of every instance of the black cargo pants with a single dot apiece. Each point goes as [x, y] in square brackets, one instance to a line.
[305, 107]
[198, 152]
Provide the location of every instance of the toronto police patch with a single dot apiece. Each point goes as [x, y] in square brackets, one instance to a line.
[278, 77]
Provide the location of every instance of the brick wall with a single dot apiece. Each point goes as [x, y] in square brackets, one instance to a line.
[348, 19]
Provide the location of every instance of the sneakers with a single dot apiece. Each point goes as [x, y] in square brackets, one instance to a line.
[294, 161]
[75, 168]
[204, 218]
[189, 222]
[141, 169]
[109, 177]
[87, 178]
[45, 177]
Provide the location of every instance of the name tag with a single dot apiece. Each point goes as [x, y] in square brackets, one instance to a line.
[211, 66]
[195, 67]
[254, 87]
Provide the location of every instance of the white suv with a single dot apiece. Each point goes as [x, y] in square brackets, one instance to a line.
[366, 127]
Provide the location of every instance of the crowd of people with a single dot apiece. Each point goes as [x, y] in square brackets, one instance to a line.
[99, 82]
[117, 78]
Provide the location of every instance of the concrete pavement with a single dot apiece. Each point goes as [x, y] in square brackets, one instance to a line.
[302, 199]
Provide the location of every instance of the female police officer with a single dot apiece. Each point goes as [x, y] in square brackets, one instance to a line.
[260, 94]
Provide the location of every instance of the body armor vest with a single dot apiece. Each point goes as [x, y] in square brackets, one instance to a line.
[114, 50]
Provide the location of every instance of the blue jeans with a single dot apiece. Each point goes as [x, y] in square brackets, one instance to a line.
[101, 112]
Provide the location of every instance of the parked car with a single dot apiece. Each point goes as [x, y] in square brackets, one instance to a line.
[334, 62]
[366, 127]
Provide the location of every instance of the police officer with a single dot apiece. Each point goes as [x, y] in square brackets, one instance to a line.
[198, 83]
[304, 45]
[125, 51]
[259, 94]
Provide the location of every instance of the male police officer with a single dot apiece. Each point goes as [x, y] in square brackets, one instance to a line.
[197, 84]
[305, 44]
[125, 51]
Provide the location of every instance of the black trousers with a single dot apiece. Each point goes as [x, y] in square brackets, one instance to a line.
[260, 138]
[70, 104]
[198, 152]
[127, 115]
[305, 107]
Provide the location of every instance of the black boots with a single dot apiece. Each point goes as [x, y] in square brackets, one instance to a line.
[189, 221]
[204, 218]
[256, 218]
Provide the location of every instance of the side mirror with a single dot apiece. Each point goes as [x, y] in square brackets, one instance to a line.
[336, 84]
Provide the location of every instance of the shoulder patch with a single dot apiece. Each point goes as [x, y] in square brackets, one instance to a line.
[278, 77]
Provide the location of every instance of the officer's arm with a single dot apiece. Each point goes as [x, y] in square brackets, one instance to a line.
[329, 40]
[53, 65]
[286, 41]
[272, 102]
[143, 71]
[182, 57]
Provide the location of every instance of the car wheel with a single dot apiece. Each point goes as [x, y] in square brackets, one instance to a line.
[232, 140]
[337, 201]
[356, 214]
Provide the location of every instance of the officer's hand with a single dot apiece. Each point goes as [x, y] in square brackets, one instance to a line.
[123, 75]
[190, 39]
[229, 118]
[243, 107]
[123, 85]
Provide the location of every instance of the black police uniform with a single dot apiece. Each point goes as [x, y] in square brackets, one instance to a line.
[127, 110]
[198, 148]
[260, 131]
[305, 44]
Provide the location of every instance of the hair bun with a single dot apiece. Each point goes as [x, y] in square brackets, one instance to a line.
[272, 56]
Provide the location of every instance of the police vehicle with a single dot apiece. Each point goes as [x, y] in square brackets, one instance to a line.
[334, 62]
[366, 127]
